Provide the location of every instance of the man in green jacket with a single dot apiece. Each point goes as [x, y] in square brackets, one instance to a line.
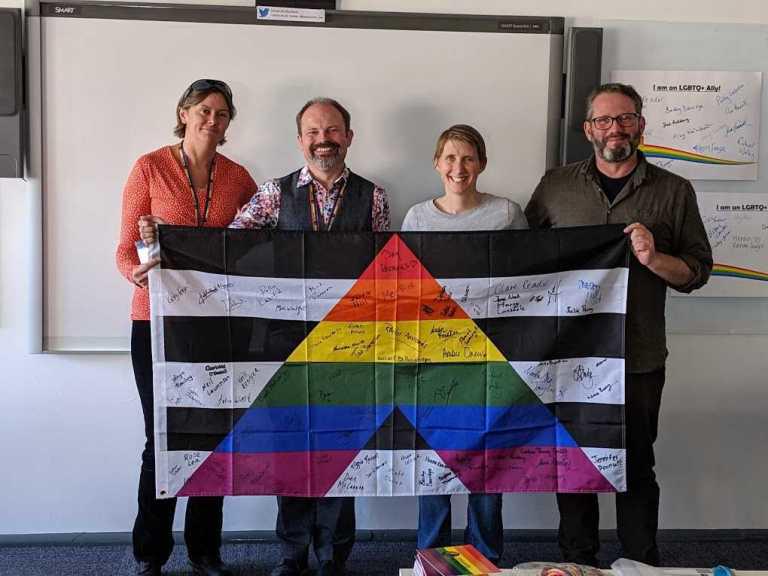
[670, 247]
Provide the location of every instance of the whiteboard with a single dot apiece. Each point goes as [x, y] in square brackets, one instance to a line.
[704, 47]
[110, 84]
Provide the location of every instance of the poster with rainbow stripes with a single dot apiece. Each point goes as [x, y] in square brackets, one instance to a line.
[737, 227]
[389, 364]
[701, 125]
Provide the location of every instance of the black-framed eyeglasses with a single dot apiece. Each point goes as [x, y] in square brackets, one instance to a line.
[627, 120]
[208, 84]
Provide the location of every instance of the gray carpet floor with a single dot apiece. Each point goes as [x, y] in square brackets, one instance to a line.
[372, 557]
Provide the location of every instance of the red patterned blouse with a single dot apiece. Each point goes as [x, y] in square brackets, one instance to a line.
[159, 186]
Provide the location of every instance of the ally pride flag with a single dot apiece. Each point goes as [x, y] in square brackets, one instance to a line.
[329, 364]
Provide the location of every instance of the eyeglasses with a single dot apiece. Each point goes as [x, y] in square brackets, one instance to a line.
[628, 120]
[208, 84]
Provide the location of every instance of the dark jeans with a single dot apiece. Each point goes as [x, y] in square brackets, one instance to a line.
[484, 525]
[329, 523]
[637, 509]
[152, 537]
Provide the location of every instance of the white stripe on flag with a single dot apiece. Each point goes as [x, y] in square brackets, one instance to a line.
[175, 468]
[569, 293]
[611, 462]
[397, 473]
[193, 293]
[238, 384]
[594, 380]
[215, 385]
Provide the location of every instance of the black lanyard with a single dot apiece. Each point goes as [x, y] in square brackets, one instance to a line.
[318, 224]
[209, 192]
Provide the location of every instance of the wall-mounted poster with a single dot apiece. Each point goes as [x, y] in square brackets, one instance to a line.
[700, 125]
[737, 226]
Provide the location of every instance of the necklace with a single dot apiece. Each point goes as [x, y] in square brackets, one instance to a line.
[209, 192]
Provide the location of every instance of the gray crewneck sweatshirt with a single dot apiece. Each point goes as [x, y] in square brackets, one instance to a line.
[493, 213]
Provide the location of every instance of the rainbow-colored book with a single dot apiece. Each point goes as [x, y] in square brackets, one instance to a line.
[452, 561]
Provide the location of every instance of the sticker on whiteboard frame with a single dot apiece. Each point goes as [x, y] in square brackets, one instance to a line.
[289, 14]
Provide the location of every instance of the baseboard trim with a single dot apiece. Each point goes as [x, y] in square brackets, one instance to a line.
[268, 536]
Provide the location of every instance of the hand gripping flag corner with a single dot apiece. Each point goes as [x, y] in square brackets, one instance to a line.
[385, 364]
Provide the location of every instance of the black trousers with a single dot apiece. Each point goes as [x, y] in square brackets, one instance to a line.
[637, 509]
[152, 530]
[329, 523]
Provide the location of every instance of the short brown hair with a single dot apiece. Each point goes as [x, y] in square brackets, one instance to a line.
[464, 133]
[198, 91]
[330, 102]
[615, 88]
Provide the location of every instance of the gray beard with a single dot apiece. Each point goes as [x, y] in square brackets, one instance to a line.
[615, 155]
[326, 163]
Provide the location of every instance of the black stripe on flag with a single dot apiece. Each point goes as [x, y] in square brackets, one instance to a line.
[592, 425]
[397, 433]
[268, 253]
[593, 247]
[192, 248]
[519, 252]
[200, 428]
[241, 339]
[286, 254]
[529, 338]
[236, 339]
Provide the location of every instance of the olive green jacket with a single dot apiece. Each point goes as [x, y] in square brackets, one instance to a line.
[662, 201]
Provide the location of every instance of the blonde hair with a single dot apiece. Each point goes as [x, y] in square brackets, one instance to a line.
[464, 133]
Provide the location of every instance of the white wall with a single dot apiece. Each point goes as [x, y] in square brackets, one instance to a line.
[70, 425]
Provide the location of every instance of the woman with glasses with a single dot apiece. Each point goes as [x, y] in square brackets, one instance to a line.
[460, 158]
[187, 183]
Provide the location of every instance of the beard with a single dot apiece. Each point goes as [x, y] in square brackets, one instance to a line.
[325, 162]
[616, 155]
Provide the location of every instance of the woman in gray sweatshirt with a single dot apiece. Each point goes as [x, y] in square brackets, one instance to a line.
[460, 158]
